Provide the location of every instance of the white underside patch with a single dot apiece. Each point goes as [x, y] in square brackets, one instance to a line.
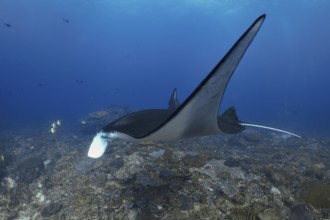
[98, 145]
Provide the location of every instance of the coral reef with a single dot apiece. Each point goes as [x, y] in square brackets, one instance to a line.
[247, 176]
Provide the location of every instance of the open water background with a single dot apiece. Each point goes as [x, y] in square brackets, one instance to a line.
[63, 59]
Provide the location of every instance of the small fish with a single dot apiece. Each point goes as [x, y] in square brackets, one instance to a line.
[79, 81]
[66, 20]
[58, 122]
[52, 130]
[7, 25]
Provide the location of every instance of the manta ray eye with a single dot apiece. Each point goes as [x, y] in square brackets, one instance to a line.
[107, 135]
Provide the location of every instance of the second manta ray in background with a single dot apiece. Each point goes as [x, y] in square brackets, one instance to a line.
[196, 116]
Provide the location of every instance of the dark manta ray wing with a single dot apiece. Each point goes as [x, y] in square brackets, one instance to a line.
[197, 115]
[140, 123]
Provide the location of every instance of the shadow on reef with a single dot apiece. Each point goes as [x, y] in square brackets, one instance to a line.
[3, 169]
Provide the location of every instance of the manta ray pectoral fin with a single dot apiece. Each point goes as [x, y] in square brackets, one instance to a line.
[197, 115]
[228, 122]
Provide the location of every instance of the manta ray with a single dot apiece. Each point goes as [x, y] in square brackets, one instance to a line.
[196, 116]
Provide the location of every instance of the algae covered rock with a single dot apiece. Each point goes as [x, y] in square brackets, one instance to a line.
[318, 195]
[301, 212]
[51, 209]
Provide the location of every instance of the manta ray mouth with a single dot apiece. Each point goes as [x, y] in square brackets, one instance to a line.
[98, 145]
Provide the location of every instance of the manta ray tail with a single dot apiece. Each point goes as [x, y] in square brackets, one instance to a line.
[228, 122]
[269, 128]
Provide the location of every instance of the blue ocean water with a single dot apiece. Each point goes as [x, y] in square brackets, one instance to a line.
[66, 58]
